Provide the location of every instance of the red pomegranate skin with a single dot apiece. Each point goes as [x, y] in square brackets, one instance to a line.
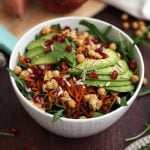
[62, 6]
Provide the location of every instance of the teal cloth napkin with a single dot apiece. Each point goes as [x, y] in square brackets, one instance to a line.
[7, 40]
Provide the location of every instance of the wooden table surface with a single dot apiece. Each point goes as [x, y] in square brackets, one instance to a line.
[33, 135]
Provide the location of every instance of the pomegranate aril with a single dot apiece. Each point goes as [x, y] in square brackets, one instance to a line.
[27, 60]
[132, 64]
[67, 28]
[48, 42]
[48, 67]
[61, 82]
[28, 84]
[15, 131]
[104, 55]
[86, 41]
[36, 71]
[114, 74]
[33, 76]
[96, 41]
[61, 39]
[100, 50]
[55, 37]
[37, 99]
[76, 115]
[47, 50]
[68, 113]
[68, 48]
[93, 75]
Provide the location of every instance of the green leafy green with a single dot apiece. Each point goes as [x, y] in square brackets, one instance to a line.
[60, 106]
[94, 30]
[147, 129]
[97, 114]
[20, 84]
[7, 134]
[106, 32]
[123, 101]
[58, 114]
[144, 92]
[56, 26]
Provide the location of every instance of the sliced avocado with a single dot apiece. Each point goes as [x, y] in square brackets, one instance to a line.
[127, 88]
[93, 64]
[40, 41]
[34, 51]
[42, 58]
[100, 83]
[121, 67]
[59, 53]
[126, 76]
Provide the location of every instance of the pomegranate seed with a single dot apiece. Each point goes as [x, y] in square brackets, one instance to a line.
[55, 37]
[36, 71]
[48, 67]
[96, 41]
[67, 28]
[76, 115]
[86, 41]
[61, 82]
[48, 42]
[33, 76]
[28, 84]
[27, 147]
[15, 131]
[68, 112]
[132, 64]
[93, 75]
[37, 99]
[61, 39]
[85, 53]
[105, 108]
[100, 49]
[47, 50]
[69, 48]
[27, 60]
[114, 74]
[104, 55]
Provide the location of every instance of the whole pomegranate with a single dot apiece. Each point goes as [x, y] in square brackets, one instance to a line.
[62, 6]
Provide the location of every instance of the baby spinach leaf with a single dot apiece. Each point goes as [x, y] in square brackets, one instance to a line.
[123, 101]
[58, 114]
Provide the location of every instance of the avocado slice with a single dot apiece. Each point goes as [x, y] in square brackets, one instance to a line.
[126, 76]
[121, 67]
[100, 83]
[40, 41]
[127, 88]
[93, 64]
[59, 53]
[34, 51]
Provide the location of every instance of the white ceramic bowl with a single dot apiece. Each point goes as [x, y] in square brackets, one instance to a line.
[73, 127]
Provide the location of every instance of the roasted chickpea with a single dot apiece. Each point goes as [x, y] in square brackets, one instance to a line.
[134, 79]
[113, 46]
[17, 70]
[45, 30]
[124, 16]
[85, 34]
[145, 81]
[135, 25]
[138, 32]
[80, 58]
[72, 104]
[101, 91]
[126, 25]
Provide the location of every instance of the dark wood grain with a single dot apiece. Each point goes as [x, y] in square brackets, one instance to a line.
[12, 114]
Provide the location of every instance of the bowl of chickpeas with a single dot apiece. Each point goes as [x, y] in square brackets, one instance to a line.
[76, 76]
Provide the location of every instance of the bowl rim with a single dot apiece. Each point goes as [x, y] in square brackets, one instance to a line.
[129, 102]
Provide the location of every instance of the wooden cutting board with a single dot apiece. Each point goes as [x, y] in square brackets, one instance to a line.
[35, 14]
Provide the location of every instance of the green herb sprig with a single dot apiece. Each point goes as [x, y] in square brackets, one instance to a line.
[147, 129]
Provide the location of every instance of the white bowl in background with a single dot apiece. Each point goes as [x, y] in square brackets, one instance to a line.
[73, 127]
